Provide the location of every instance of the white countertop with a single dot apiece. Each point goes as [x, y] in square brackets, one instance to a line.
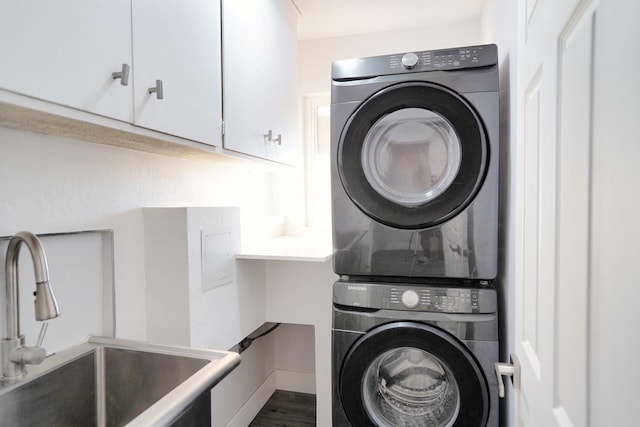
[289, 248]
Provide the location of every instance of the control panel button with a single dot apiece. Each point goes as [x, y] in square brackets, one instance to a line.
[410, 299]
[409, 60]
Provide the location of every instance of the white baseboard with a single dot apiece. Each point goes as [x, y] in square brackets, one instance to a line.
[257, 400]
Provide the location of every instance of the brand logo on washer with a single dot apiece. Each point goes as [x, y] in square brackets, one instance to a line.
[356, 288]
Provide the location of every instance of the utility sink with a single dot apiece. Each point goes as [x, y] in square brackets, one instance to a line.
[114, 382]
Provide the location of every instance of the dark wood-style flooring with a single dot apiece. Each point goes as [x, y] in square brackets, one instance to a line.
[287, 409]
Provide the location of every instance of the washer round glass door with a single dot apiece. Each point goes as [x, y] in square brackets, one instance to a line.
[408, 383]
[413, 155]
[407, 373]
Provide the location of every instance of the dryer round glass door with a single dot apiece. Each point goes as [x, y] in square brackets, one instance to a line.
[413, 155]
[407, 373]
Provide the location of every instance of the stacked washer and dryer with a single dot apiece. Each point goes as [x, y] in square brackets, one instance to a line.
[414, 147]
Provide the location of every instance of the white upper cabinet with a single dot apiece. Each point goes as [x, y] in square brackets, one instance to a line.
[177, 44]
[66, 53]
[259, 77]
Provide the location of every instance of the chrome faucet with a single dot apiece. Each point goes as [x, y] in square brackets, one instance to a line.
[15, 355]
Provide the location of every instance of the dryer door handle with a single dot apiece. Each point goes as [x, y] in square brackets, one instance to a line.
[509, 370]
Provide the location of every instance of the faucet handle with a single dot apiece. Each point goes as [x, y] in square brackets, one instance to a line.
[28, 355]
[43, 332]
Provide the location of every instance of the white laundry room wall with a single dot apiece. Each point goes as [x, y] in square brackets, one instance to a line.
[50, 184]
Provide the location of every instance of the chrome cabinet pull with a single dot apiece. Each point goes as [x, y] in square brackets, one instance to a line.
[268, 137]
[123, 75]
[157, 89]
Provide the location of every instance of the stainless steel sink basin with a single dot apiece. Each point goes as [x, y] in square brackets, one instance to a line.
[113, 382]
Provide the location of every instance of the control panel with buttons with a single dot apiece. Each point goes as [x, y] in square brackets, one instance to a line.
[428, 60]
[425, 298]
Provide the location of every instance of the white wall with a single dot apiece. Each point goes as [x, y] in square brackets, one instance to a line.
[53, 184]
[50, 184]
[295, 357]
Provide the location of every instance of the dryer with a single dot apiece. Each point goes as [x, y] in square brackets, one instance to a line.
[408, 355]
[414, 152]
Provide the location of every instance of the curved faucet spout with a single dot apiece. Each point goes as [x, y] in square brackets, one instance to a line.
[14, 354]
[46, 303]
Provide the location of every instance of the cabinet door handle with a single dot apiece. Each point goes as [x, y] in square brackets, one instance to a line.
[123, 75]
[157, 89]
[268, 137]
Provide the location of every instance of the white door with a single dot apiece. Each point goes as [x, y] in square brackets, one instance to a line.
[577, 206]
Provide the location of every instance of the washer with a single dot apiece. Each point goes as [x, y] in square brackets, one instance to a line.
[414, 148]
[407, 355]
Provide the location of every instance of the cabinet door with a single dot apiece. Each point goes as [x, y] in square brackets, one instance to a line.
[178, 43]
[66, 53]
[259, 62]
